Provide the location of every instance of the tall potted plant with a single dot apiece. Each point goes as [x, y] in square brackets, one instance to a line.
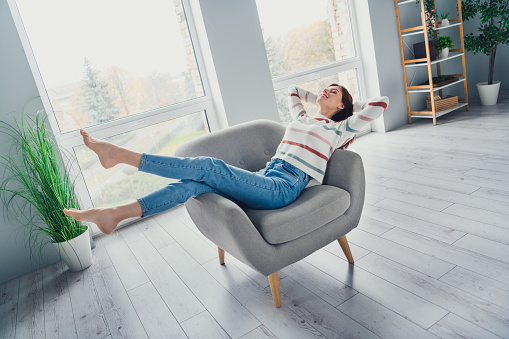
[36, 186]
[493, 31]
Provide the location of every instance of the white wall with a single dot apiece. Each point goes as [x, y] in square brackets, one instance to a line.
[17, 87]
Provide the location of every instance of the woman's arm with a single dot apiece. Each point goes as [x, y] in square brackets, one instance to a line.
[295, 97]
[366, 111]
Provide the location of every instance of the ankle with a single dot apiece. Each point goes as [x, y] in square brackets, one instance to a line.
[129, 157]
[115, 213]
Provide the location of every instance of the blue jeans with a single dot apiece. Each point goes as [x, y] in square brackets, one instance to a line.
[275, 186]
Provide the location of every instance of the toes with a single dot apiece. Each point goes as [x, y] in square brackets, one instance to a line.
[69, 211]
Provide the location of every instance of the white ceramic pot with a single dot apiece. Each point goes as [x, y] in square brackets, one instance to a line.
[76, 253]
[445, 22]
[444, 53]
[488, 93]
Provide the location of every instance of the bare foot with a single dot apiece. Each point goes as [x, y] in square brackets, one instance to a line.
[106, 151]
[104, 218]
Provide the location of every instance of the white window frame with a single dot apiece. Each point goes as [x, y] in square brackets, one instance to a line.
[67, 141]
[315, 73]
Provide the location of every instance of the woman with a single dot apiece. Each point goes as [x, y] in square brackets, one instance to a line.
[300, 161]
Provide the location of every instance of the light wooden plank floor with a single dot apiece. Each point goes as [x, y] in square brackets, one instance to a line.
[431, 251]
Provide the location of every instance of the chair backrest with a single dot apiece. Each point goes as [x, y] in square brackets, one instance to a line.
[249, 145]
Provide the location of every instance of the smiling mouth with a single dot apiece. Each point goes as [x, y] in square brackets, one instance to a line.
[323, 95]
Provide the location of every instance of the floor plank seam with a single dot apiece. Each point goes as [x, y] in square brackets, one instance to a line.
[446, 272]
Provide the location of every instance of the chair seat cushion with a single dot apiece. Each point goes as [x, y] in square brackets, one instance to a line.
[315, 207]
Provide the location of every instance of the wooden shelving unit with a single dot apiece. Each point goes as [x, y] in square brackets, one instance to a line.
[426, 62]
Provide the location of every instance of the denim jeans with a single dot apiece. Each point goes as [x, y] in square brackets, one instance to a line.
[275, 186]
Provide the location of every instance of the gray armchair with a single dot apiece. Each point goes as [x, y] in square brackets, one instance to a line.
[269, 240]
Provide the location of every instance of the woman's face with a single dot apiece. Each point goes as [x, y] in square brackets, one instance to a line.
[330, 99]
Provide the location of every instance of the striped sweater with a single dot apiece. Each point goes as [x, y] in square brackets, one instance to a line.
[309, 141]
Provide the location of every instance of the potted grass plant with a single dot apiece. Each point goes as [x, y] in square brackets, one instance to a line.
[36, 186]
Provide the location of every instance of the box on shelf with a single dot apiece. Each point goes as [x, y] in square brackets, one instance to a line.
[448, 102]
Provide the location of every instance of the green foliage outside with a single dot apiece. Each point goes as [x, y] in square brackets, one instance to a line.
[493, 28]
[316, 48]
[98, 103]
[37, 185]
[136, 184]
[302, 48]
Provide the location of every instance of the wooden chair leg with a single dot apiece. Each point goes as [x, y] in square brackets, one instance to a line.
[221, 255]
[274, 287]
[346, 249]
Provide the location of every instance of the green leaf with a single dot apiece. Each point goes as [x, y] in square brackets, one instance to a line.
[37, 184]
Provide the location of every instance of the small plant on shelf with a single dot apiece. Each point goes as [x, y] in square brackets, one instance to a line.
[443, 44]
[445, 21]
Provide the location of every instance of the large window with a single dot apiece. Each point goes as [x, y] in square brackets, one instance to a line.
[127, 71]
[120, 184]
[104, 60]
[316, 85]
[311, 43]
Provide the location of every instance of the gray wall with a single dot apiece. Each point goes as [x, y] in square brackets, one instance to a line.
[17, 87]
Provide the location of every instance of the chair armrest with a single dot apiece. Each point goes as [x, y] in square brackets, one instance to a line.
[226, 225]
[345, 170]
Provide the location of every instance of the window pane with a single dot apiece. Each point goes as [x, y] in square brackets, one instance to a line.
[123, 183]
[104, 60]
[347, 79]
[303, 34]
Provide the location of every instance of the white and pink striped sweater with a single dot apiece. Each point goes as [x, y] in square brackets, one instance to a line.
[309, 142]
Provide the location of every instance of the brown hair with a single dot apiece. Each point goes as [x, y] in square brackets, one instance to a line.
[347, 102]
[346, 112]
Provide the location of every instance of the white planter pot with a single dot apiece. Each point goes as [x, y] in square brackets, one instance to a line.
[445, 22]
[444, 53]
[76, 253]
[488, 93]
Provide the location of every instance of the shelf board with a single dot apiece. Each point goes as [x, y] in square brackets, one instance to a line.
[412, 33]
[436, 88]
[451, 56]
[436, 29]
[439, 113]
[445, 27]
[406, 2]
